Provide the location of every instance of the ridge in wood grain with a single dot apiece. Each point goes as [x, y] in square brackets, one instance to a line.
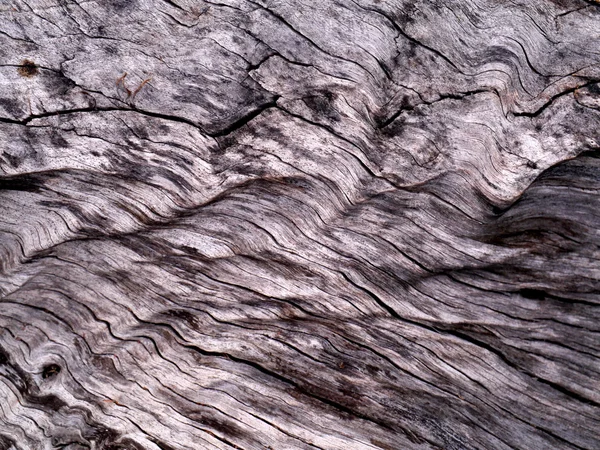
[282, 225]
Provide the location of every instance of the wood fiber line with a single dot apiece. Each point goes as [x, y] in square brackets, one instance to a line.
[272, 225]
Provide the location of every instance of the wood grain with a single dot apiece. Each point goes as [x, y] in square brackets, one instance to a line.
[268, 224]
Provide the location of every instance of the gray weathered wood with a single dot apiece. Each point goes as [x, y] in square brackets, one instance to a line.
[268, 224]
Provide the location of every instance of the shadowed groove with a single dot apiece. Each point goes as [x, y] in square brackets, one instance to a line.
[341, 225]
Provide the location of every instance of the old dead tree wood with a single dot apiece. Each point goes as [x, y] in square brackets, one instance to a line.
[326, 224]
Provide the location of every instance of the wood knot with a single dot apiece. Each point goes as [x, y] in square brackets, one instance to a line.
[588, 95]
[50, 371]
[28, 69]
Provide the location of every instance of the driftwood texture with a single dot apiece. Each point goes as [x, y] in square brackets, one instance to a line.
[287, 224]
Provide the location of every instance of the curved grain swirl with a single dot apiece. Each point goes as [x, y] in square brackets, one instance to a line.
[293, 225]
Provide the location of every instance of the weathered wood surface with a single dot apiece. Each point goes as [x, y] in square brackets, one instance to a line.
[248, 224]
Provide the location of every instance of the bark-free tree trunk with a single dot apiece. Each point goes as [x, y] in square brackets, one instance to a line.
[269, 224]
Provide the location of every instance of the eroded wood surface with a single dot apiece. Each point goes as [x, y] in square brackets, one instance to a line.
[299, 225]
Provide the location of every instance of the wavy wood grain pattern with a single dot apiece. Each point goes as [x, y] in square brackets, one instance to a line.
[283, 224]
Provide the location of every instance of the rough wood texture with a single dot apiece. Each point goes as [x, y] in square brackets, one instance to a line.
[338, 224]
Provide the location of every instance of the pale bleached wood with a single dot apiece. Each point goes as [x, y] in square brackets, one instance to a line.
[281, 225]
